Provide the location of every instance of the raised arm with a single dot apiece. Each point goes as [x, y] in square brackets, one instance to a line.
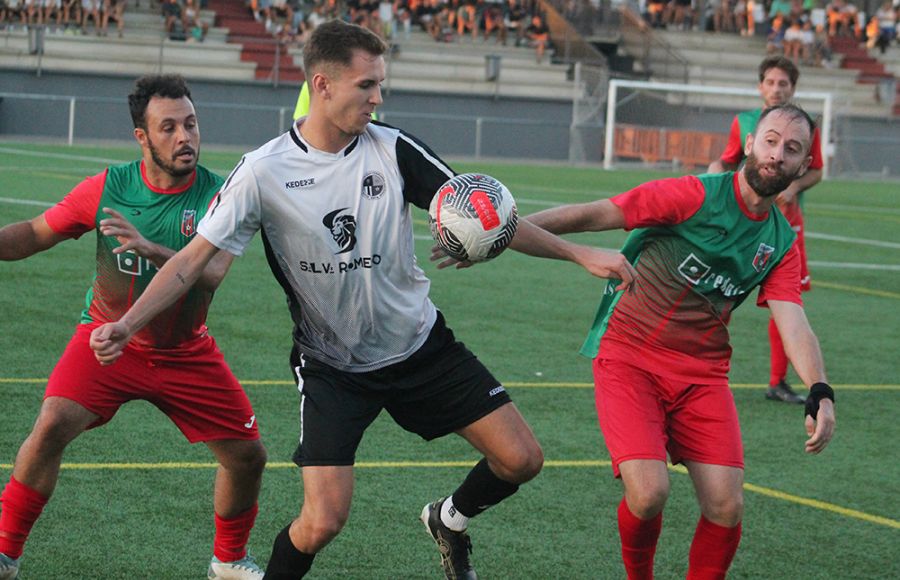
[23, 239]
[131, 240]
[179, 273]
[802, 348]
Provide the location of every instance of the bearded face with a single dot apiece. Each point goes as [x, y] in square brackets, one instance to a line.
[181, 163]
[769, 179]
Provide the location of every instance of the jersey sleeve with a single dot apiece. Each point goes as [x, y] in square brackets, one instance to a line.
[734, 148]
[816, 151]
[76, 213]
[234, 217]
[661, 202]
[422, 171]
[783, 282]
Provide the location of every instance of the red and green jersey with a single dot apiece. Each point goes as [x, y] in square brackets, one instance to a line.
[699, 252]
[165, 217]
[745, 124]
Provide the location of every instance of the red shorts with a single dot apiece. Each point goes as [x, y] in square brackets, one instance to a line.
[193, 386]
[643, 415]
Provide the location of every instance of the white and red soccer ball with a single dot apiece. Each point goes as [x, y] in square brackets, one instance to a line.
[473, 217]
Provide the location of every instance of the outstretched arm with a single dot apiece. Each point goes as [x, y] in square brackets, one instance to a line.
[802, 348]
[595, 216]
[179, 273]
[23, 239]
[535, 241]
[132, 240]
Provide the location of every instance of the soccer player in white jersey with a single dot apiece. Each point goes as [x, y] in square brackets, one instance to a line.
[332, 197]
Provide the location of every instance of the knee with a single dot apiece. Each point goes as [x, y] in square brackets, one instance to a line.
[727, 511]
[315, 532]
[646, 501]
[249, 458]
[520, 465]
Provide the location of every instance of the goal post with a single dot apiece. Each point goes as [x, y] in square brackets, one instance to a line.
[680, 124]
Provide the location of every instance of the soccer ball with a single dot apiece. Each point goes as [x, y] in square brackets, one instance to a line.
[473, 217]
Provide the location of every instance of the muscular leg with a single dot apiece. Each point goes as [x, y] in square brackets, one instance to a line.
[239, 475]
[36, 470]
[506, 441]
[59, 422]
[720, 493]
[237, 485]
[646, 485]
[327, 493]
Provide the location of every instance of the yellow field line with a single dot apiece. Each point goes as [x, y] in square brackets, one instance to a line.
[766, 491]
[519, 385]
[857, 290]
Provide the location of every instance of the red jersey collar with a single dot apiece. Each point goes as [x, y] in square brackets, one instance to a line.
[757, 217]
[173, 191]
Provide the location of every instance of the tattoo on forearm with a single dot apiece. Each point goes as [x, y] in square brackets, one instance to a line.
[180, 277]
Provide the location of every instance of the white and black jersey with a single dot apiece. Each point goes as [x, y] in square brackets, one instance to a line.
[337, 229]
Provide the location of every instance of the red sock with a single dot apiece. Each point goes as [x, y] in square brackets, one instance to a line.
[232, 534]
[639, 539]
[779, 360]
[22, 506]
[712, 550]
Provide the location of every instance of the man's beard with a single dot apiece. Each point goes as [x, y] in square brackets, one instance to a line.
[170, 167]
[766, 186]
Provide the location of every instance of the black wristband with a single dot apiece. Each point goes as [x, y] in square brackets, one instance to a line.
[817, 392]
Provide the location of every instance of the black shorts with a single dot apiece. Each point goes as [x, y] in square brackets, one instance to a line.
[441, 388]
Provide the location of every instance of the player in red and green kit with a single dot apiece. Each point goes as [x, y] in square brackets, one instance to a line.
[777, 82]
[661, 349]
[143, 212]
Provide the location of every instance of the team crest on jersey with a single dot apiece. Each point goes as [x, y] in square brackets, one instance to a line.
[342, 228]
[693, 269]
[373, 185]
[763, 255]
[189, 222]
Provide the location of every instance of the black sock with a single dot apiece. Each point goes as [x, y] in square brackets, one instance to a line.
[287, 562]
[480, 490]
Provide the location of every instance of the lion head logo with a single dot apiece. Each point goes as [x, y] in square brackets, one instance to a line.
[342, 228]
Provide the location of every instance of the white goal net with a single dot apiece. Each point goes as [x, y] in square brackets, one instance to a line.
[685, 126]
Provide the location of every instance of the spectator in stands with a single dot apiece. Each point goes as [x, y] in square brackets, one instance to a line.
[739, 13]
[403, 17]
[822, 47]
[887, 25]
[467, 19]
[492, 20]
[515, 20]
[194, 27]
[538, 36]
[722, 18]
[114, 9]
[793, 41]
[317, 16]
[681, 14]
[842, 18]
[71, 15]
[171, 11]
[90, 9]
[656, 11]
[775, 37]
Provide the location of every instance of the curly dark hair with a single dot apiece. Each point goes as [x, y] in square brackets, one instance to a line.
[780, 62]
[149, 86]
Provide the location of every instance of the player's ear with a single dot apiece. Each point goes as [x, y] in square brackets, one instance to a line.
[319, 85]
[748, 145]
[140, 135]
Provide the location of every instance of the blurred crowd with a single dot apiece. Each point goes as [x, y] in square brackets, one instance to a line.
[64, 16]
[802, 30]
[517, 22]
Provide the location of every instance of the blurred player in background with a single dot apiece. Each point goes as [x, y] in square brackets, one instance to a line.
[143, 211]
[777, 83]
